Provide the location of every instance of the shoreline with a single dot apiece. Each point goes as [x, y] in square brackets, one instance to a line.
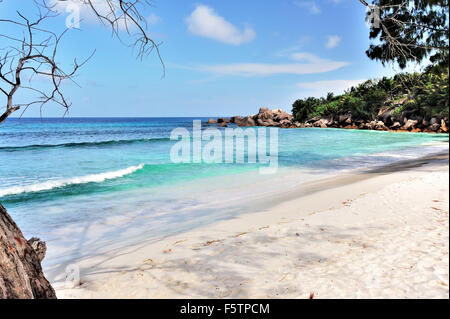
[384, 121]
[100, 219]
[244, 193]
[238, 258]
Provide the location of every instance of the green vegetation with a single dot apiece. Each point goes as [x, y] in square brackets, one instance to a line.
[408, 95]
[409, 31]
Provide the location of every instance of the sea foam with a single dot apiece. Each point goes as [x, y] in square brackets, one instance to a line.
[94, 178]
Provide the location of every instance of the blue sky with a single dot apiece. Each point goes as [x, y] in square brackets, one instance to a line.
[222, 58]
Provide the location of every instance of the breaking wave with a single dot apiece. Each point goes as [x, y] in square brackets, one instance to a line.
[94, 178]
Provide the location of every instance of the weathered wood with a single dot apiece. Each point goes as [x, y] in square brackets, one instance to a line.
[21, 273]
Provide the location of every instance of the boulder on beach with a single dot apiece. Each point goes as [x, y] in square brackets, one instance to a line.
[395, 126]
[323, 123]
[364, 126]
[347, 118]
[268, 122]
[223, 120]
[434, 120]
[285, 124]
[380, 126]
[386, 116]
[212, 121]
[267, 118]
[280, 115]
[383, 122]
[264, 116]
[409, 125]
[247, 122]
[313, 120]
[444, 127]
[435, 127]
[236, 119]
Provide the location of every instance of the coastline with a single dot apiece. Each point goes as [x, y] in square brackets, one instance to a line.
[384, 121]
[97, 207]
[338, 241]
[208, 151]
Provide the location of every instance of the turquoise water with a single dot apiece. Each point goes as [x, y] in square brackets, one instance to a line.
[86, 184]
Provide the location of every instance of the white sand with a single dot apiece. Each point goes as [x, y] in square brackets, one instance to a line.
[382, 237]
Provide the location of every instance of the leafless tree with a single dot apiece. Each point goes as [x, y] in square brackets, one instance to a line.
[121, 17]
[32, 56]
[32, 53]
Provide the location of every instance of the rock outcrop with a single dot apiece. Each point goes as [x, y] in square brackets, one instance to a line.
[385, 121]
[247, 122]
[21, 275]
[223, 120]
[382, 123]
[267, 118]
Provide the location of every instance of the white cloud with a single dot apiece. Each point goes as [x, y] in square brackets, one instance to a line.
[321, 88]
[310, 64]
[311, 6]
[104, 8]
[309, 57]
[333, 41]
[84, 9]
[205, 22]
[154, 19]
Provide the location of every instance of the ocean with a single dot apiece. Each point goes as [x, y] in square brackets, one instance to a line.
[88, 185]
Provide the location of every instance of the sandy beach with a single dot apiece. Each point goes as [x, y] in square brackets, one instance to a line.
[379, 234]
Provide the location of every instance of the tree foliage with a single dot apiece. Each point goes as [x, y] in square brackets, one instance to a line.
[423, 94]
[408, 30]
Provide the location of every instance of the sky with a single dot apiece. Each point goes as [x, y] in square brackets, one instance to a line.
[222, 58]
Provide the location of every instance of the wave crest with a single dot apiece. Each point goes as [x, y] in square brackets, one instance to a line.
[81, 144]
[94, 178]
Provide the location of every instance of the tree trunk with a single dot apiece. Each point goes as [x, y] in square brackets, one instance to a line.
[8, 112]
[21, 273]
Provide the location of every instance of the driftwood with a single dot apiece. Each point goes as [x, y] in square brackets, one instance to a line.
[21, 273]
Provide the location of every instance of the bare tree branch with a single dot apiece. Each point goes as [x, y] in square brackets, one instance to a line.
[30, 57]
[33, 54]
[122, 17]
